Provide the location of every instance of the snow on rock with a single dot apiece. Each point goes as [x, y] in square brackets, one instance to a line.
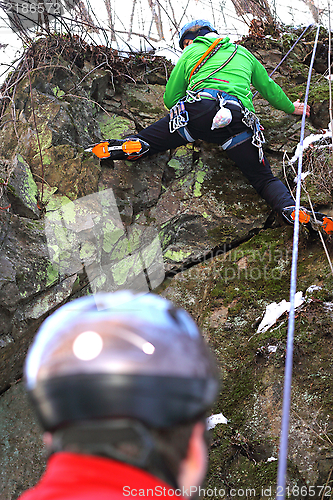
[274, 311]
[303, 176]
[306, 143]
[212, 421]
[312, 289]
[328, 306]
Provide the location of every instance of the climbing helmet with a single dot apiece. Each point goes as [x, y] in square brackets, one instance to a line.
[194, 27]
[120, 355]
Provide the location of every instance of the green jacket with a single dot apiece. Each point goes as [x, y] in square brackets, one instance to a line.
[235, 78]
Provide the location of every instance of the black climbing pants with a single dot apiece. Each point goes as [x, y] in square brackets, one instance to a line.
[245, 155]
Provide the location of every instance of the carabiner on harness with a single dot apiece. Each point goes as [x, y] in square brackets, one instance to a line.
[258, 139]
[178, 117]
[192, 96]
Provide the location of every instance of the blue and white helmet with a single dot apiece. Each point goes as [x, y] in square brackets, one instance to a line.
[194, 27]
[120, 355]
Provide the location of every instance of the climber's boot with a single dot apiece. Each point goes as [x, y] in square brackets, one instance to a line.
[317, 220]
[122, 149]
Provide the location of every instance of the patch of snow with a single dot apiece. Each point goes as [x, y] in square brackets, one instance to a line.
[303, 176]
[271, 459]
[212, 421]
[9, 52]
[274, 311]
[306, 143]
[313, 288]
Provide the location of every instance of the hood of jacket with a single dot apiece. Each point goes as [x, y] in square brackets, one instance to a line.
[209, 39]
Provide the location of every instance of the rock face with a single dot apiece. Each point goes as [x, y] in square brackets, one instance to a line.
[228, 297]
[22, 453]
[184, 223]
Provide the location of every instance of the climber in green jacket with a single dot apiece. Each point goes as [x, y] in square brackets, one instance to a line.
[209, 97]
[235, 78]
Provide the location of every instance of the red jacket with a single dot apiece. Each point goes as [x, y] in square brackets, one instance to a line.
[70, 476]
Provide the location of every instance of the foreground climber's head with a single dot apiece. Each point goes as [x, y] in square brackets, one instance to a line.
[125, 376]
[198, 27]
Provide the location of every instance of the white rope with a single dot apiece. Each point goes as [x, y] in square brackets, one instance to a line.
[282, 468]
[329, 67]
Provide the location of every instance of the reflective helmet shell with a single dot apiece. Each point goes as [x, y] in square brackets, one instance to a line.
[194, 26]
[120, 355]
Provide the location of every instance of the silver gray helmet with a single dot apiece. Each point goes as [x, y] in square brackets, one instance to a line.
[120, 355]
[193, 27]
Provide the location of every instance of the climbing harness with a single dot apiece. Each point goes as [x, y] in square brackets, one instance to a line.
[236, 140]
[179, 117]
[249, 119]
[283, 453]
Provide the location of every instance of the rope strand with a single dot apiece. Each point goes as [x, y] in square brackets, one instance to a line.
[287, 54]
[283, 454]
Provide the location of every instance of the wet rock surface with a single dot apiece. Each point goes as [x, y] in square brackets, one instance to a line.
[190, 222]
